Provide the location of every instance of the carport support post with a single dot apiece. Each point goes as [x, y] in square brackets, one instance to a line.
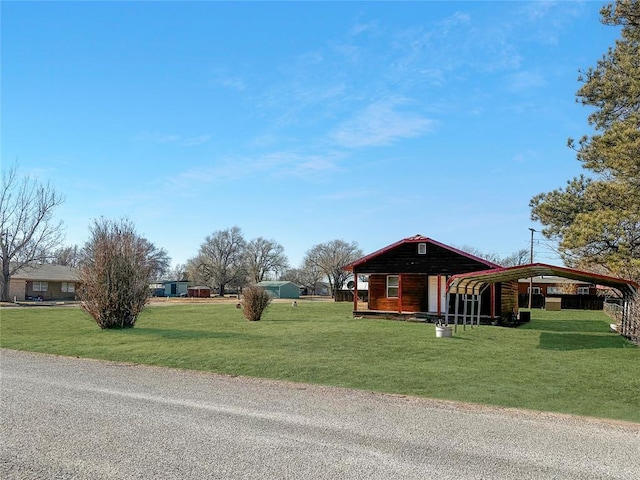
[481, 291]
[473, 305]
[446, 309]
[456, 310]
[531, 278]
[464, 312]
[355, 291]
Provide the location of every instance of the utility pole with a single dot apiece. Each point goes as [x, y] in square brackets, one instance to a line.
[531, 261]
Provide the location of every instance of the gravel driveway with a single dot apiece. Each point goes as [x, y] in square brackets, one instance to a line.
[69, 418]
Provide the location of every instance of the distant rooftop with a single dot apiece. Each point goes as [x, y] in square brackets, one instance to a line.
[48, 272]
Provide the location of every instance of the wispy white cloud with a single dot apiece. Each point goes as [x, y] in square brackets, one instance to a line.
[525, 156]
[381, 123]
[221, 77]
[525, 80]
[193, 141]
[360, 28]
[172, 138]
[347, 195]
[150, 137]
[235, 83]
[277, 164]
[456, 20]
[549, 19]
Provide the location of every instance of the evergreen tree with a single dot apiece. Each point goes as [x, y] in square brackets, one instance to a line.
[596, 217]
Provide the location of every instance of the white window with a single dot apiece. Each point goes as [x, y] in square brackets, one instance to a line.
[583, 290]
[422, 249]
[68, 287]
[554, 290]
[392, 286]
[534, 290]
[40, 286]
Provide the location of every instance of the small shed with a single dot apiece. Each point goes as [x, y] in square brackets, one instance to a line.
[175, 288]
[280, 289]
[199, 291]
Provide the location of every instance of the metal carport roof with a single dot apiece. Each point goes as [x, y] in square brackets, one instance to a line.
[474, 282]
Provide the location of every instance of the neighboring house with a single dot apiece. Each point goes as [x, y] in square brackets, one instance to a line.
[156, 289]
[321, 288]
[409, 277]
[44, 282]
[572, 294]
[280, 289]
[552, 285]
[174, 288]
[347, 294]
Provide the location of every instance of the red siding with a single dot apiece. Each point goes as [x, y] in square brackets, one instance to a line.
[414, 293]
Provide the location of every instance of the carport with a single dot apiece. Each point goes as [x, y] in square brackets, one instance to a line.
[471, 285]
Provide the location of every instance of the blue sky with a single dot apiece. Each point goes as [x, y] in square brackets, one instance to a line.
[301, 122]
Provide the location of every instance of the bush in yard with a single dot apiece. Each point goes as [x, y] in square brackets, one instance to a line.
[255, 300]
[116, 268]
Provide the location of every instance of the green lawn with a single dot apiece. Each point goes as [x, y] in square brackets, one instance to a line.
[561, 361]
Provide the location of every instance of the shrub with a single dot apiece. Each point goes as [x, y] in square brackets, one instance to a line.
[116, 268]
[255, 300]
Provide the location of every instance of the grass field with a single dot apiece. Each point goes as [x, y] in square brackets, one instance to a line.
[561, 361]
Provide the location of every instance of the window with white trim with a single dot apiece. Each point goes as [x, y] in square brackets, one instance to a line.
[40, 286]
[393, 281]
[422, 249]
[534, 290]
[68, 287]
[583, 290]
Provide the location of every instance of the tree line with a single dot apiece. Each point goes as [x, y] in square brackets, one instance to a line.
[225, 259]
[30, 236]
[595, 218]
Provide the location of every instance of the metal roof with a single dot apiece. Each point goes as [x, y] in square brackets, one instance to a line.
[474, 282]
[416, 239]
[274, 283]
[552, 279]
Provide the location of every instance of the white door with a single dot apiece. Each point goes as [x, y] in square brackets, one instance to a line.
[432, 293]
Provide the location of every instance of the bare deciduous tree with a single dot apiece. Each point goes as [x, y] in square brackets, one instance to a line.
[491, 257]
[68, 256]
[330, 257]
[521, 257]
[308, 277]
[28, 233]
[262, 257]
[311, 276]
[178, 272]
[116, 268]
[220, 260]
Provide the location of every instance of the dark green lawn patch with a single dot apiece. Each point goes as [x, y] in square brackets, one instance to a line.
[572, 341]
[565, 361]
